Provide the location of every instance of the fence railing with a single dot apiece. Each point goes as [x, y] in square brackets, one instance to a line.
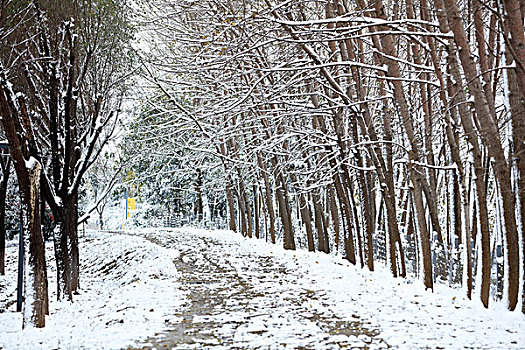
[448, 262]
[177, 220]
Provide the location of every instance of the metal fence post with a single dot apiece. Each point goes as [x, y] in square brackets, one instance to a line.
[19, 294]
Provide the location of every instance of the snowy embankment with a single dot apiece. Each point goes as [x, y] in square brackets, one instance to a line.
[128, 286]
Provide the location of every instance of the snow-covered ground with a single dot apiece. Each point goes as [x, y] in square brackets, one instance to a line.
[128, 286]
[188, 288]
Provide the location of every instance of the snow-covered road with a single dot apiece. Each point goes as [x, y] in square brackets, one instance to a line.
[189, 288]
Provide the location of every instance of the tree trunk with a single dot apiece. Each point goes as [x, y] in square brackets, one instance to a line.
[306, 216]
[322, 244]
[284, 211]
[242, 213]
[456, 208]
[518, 137]
[231, 206]
[35, 284]
[199, 207]
[248, 212]
[513, 10]
[100, 219]
[268, 198]
[335, 216]
[256, 210]
[62, 257]
[344, 204]
[36, 303]
[71, 211]
[424, 236]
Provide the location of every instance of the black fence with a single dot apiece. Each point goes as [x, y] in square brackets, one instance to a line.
[177, 220]
[448, 262]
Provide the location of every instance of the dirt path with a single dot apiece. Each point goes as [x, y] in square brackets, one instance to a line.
[238, 299]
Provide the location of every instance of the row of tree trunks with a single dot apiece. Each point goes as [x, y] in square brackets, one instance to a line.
[342, 84]
[456, 100]
[386, 46]
[55, 103]
[341, 192]
[490, 135]
[346, 52]
[366, 195]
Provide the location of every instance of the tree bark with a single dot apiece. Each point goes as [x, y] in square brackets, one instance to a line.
[335, 216]
[256, 210]
[513, 22]
[60, 240]
[517, 110]
[242, 212]
[199, 207]
[231, 206]
[101, 219]
[246, 199]
[320, 227]
[35, 283]
[284, 210]
[71, 212]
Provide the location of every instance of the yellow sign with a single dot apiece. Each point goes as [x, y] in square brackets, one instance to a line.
[131, 205]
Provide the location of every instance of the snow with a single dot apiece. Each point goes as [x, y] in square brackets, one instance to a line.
[58, 200]
[294, 298]
[405, 313]
[31, 163]
[115, 307]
